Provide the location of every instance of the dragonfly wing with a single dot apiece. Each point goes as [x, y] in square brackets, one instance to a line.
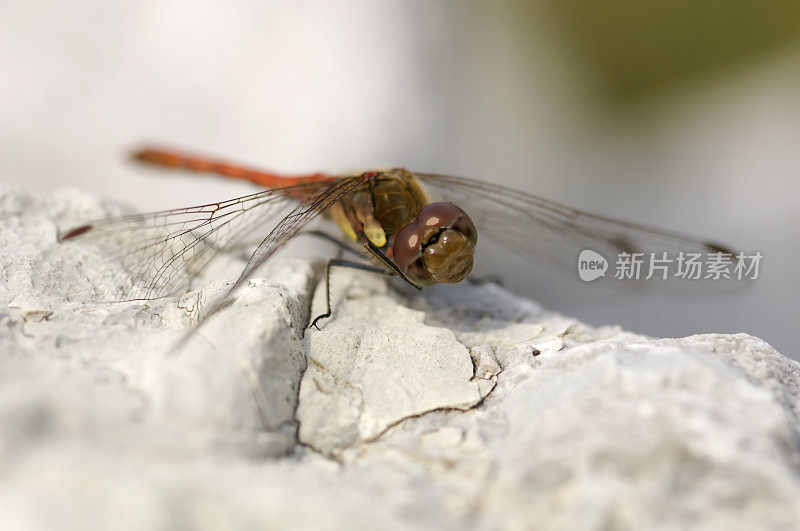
[294, 222]
[551, 234]
[159, 253]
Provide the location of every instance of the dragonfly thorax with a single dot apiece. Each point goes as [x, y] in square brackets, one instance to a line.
[397, 199]
[384, 204]
[429, 242]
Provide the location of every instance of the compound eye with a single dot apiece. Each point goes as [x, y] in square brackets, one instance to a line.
[407, 253]
[447, 216]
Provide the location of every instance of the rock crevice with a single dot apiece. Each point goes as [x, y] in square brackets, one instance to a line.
[457, 407]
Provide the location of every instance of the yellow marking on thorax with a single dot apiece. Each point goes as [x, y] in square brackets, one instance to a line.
[337, 213]
[374, 233]
[397, 193]
[372, 229]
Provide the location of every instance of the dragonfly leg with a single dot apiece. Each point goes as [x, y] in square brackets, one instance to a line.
[488, 279]
[336, 262]
[374, 251]
[246, 246]
[332, 239]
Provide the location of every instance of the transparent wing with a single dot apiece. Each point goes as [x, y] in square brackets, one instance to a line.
[159, 253]
[550, 234]
[285, 230]
[294, 222]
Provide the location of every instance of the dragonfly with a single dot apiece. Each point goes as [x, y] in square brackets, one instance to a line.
[421, 227]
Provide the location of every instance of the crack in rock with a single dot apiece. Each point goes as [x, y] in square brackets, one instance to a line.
[375, 364]
[461, 407]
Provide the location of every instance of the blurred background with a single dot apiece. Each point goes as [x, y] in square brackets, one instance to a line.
[682, 115]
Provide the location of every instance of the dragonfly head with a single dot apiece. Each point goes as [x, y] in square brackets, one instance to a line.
[437, 246]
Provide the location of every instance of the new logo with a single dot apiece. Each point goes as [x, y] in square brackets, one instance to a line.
[591, 265]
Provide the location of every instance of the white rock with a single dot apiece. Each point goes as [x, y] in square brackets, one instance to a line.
[458, 407]
[374, 365]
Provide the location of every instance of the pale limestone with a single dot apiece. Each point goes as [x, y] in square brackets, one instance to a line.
[457, 407]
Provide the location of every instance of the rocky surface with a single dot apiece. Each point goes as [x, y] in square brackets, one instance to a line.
[458, 407]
